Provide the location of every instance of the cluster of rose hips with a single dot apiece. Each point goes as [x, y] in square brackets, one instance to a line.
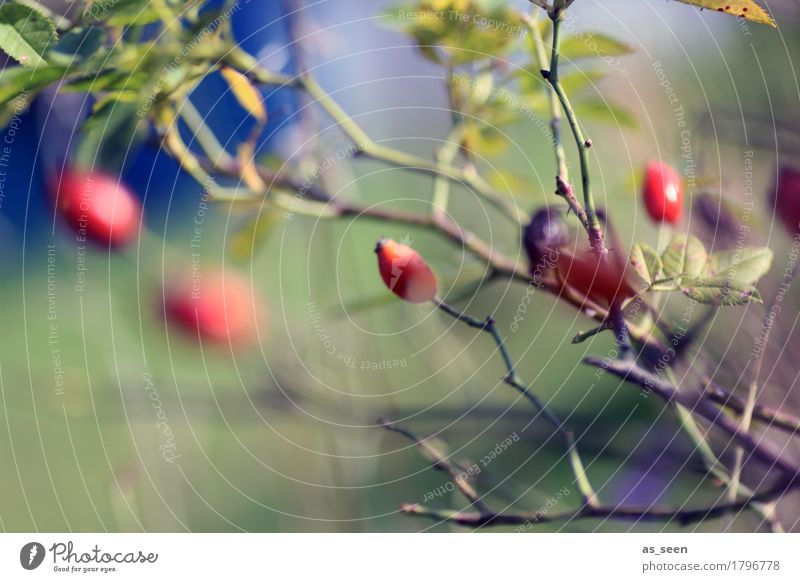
[215, 307]
[602, 280]
[222, 309]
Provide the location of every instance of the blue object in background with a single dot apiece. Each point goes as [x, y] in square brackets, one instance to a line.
[41, 137]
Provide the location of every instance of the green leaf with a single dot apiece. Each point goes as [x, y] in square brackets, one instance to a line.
[729, 277]
[721, 294]
[646, 263]
[685, 256]
[592, 45]
[742, 267]
[110, 133]
[16, 81]
[748, 9]
[26, 34]
[573, 81]
[121, 12]
[107, 80]
[606, 111]
[458, 31]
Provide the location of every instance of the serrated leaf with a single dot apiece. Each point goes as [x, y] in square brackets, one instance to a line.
[246, 94]
[741, 267]
[646, 263]
[606, 111]
[26, 34]
[592, 45]
[684, 257]
[721, 294]
[748, 9]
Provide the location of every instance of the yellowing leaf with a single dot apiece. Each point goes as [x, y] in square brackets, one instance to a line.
[247, 95]
[748, 9]
[249, 173]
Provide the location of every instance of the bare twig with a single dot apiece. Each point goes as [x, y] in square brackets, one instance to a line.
[442, 463]
[512, 379]
[772, 417]
[247, 65]
[697, 404]
[681, 515]
[752, 393]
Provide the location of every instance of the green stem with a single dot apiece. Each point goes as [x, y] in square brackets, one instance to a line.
[596, 237]
[513, 380]
[555, 105]
[444, 157]
[206, 138]
[713, 465]
[750, 402]
[247, 65]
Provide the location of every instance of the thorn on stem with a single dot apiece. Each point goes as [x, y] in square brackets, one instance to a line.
[587, 144]
[545, 74]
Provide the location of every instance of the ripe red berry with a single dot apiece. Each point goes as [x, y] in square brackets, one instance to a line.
[786, 198]
[663, 193]
[216, 307]
[405, 272]
[601, 279]
[545, 234]
[98, 206]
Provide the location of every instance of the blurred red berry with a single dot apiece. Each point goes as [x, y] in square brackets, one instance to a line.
[786, 198]
[405, 272]
[218, 308]
[601, 279]
[663, 193]
[98, 206]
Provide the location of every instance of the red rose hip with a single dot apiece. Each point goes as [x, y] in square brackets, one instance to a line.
[601, 279]
[216, 307]
[405, 272]
[663, 193]
[98, 206]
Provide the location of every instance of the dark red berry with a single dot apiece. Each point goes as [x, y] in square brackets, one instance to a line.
[545, 234]
[604, 279]
[663, 193]
[786, 198]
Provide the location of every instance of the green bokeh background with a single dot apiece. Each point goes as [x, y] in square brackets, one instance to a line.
[282, 437]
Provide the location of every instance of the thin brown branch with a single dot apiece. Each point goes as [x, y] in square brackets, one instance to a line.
[771, 416]
[695, 402]
[681, 515]
[439, 461]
